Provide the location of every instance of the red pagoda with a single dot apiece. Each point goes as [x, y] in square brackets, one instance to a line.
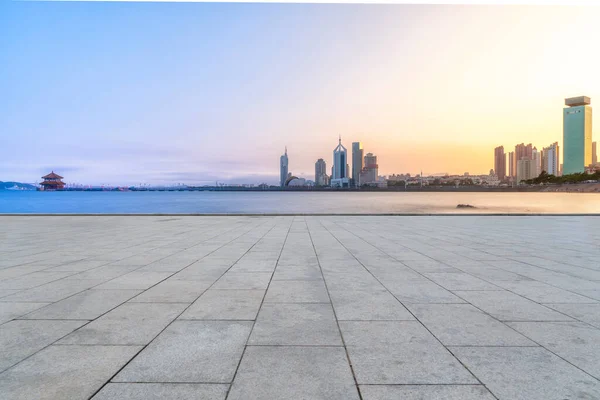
[52, 181]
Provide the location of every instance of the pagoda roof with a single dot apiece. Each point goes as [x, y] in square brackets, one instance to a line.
[52, 175]
[52, 183]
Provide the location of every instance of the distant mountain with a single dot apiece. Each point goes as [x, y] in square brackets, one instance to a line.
[16, 186]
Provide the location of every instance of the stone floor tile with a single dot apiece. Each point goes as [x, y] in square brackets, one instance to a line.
[282, 372]
[20, 338]
[400, 352]
[589, 313]
[64, 372]
[368, 305]
[297, 292]
[460, 281]
[295, 324]
[465, 325]
[53, 291]
[422, 292]
[11, 310]
[507, 306]
[128, 324]
[160, 391]
[135, 280]
[543, 293]
[226, 305]
[191, 351]
[173, 291]
[527, 373]
[243, 281]
[425, 392]
[89, 304]
[576, 342]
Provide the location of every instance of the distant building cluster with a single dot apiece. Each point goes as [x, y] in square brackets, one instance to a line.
[579, 152]
[364, 170]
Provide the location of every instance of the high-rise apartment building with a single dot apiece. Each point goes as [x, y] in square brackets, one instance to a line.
[512, 170]
[577, 134]
[500, 162]
[525, 169]
[283, 168]
[340, 166]
[357, 162]
[321, 178]
[536, 157]
[551, 159]
[594, 153]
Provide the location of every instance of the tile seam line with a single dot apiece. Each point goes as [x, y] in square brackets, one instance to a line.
[417, 319]
[185, 308]
[259, 308]
[337, 321]
[483, 311]
[454, 214]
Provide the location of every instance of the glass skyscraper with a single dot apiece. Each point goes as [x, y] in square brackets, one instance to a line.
[283, 168]
[577, 135]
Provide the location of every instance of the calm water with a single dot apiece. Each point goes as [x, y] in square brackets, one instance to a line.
[293, 202]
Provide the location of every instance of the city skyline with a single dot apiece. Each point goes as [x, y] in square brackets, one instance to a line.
[178, 93]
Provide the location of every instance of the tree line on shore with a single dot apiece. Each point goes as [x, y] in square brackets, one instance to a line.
[546, 178]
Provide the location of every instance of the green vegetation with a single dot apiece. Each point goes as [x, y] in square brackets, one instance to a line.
[546, 178]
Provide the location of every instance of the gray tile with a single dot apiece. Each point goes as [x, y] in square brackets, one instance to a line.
[299, 273]
[368, 305]
[226, 305]
[297, 292]
[465, 325]
[160, 391]
[135, 280]
[64, 372]
[544, 293]
[425, 392]
[128, 324]
[89, 304]
[19, 339]
[190, 351]
[282, 372]
[295, 324]
[527, 373]
[576, 342]
[53, 291]
[508, 306]
[589, 313]
[243, 280]
[460, 281]
[422, 292]
[173, 291]
[400, 352]
[12, 310]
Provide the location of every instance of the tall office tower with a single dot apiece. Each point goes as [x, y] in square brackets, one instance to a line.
[551, 159]
[523, 151]
[594, 153]
[577, 134]
[512, 171]
[283, 168]
[370, 171]
[500, 162]
[357, 162]
[340, 166]
[320, 173]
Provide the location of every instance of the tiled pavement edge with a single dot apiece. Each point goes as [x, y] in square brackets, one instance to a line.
[300, 307]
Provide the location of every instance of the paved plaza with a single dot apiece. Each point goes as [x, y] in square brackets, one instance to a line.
[299, 307]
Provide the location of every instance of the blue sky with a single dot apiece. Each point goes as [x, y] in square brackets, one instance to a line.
[124, 93]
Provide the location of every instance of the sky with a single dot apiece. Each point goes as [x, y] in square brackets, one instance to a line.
[165, 93]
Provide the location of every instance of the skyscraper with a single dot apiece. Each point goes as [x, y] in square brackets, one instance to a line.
[536, 166]
[357, 162]
[321, 173]
[283, 168]
[594, 153]
[340, 166]
[525, 169]
[512, 170]
[577, 134]
[551, 159]
[500, 162]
